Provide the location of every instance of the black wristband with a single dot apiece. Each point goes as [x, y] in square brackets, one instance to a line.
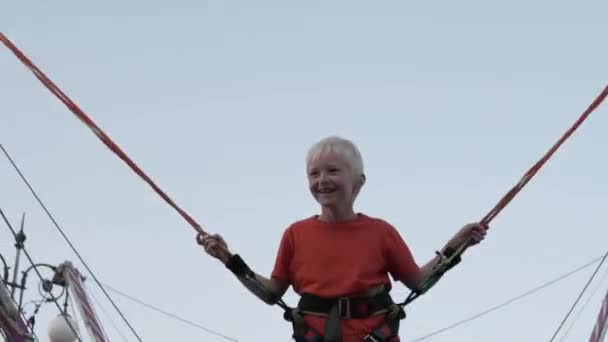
[237, 265]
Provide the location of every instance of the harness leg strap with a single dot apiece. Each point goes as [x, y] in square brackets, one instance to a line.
[301, 331]
[333, 325]
[383, 333]
[389, 328]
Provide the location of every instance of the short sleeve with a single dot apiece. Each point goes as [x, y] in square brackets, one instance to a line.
[400, 261]
[284, 257]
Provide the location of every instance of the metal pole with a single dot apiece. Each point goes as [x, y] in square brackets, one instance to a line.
[5, 269]
[19, 243]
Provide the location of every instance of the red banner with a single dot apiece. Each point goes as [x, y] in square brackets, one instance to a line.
[12, 323]
[74, 283]
[599, 331]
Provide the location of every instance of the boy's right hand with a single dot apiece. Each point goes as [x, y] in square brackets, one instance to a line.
[215, 246]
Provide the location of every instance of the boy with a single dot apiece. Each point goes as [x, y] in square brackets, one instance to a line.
[339, 261]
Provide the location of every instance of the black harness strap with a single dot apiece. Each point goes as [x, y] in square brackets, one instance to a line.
[347, 307]
[378, 302]
[336, 309]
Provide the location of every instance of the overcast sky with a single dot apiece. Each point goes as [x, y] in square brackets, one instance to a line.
[450, 103]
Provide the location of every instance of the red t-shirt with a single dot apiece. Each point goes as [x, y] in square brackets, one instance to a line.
[343, 259]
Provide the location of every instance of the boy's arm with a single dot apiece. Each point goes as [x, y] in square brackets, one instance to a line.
[269, 290]
[471, 233]
[427, 269]
[272, 288]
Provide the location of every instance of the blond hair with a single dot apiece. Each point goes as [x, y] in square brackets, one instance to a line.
[341, 147]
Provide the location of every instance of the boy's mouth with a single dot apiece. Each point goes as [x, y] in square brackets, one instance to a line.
[326, 190]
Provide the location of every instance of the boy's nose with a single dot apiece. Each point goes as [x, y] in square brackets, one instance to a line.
[323, 178]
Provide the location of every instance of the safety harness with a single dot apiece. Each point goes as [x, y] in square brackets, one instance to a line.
[337, 309]
[377, 301]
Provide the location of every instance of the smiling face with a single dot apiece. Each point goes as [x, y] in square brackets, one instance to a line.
[335, 175]
[331, 181]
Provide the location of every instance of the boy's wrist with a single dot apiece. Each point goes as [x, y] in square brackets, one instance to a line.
[238, 266]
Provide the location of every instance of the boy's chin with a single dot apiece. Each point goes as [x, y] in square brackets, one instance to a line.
[331, 205]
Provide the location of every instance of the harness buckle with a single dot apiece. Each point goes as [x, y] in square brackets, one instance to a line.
[371, 338]
[344, 307]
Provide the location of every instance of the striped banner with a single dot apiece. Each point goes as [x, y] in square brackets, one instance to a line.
[12, 322]
[599, 331]
[15, 331]
[74, 283]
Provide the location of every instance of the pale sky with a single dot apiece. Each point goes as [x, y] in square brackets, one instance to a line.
[450, 103]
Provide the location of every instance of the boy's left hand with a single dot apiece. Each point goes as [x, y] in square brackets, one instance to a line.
[473, 233]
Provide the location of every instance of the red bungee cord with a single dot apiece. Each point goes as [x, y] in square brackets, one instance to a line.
[118, 151]
[445, 261]
[98, 131]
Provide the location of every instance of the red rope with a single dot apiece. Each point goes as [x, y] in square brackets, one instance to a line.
[114, 147]
[506, 199]
[98, 131]
[534, 169]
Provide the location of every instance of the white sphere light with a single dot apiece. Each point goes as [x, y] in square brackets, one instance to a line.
[60, 330]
